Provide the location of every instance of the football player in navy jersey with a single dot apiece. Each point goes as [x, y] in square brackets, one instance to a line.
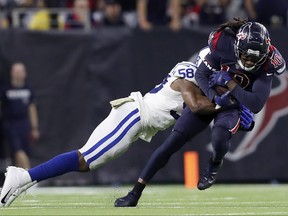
[241, 59]
[19, 114]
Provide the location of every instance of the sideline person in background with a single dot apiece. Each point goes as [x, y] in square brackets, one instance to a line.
[40, 20]
[155, 13]
[132, 117]
[79, 18]
[212, 12]
[19, 114]
[111, 15]
[241, 59]
[270, 13]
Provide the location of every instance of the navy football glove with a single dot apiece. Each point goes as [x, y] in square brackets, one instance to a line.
[224, 100]
[246, 117]
[219, 78]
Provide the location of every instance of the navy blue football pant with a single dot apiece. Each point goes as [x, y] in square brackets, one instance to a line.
[188, 126]
[226, 123]
[17, 135]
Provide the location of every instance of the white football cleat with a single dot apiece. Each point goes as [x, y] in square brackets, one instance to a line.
[13, 185]
[18, 192]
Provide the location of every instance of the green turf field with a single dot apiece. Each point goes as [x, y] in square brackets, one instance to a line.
[157, 200]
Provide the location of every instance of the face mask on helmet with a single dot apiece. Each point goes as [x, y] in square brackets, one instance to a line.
[251, 46]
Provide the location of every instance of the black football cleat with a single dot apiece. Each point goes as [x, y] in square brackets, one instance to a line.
[130, 200]
[209, 176]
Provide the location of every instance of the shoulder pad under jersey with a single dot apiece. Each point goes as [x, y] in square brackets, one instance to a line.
[213, 40]
[185, 70]
[221, 42]
[201, 55]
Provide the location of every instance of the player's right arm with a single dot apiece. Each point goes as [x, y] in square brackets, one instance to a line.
[191, 93]
[193, 97]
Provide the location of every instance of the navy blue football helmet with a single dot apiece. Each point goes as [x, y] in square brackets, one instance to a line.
[252, 43]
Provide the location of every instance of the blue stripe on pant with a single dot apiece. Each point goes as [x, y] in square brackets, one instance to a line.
[112, 144]
[119, 127]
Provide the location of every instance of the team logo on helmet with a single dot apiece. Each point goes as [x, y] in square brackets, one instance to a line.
[268, 41]
[253, 42]
[241, 36]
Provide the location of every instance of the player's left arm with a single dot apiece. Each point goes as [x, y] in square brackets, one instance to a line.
[255, 99]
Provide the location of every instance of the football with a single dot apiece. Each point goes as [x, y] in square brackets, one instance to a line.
[240, 78]
[220, 90]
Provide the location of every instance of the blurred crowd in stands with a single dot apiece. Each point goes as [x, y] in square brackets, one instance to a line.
[145, 14]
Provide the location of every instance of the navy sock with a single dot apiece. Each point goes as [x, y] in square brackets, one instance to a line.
[138, 188]
[58, 165]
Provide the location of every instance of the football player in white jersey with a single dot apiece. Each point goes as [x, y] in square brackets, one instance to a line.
[133, 117]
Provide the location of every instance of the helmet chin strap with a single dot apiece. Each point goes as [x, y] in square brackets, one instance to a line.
[248, 69]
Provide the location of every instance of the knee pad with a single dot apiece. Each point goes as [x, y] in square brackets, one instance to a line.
[228, 120]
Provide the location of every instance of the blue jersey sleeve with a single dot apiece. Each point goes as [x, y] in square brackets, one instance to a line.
[276, 63]
[258, 96]
[202, 78]
[213, 60]
[255, 99]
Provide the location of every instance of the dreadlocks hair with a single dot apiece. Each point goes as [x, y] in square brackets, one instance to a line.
[234, 25]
